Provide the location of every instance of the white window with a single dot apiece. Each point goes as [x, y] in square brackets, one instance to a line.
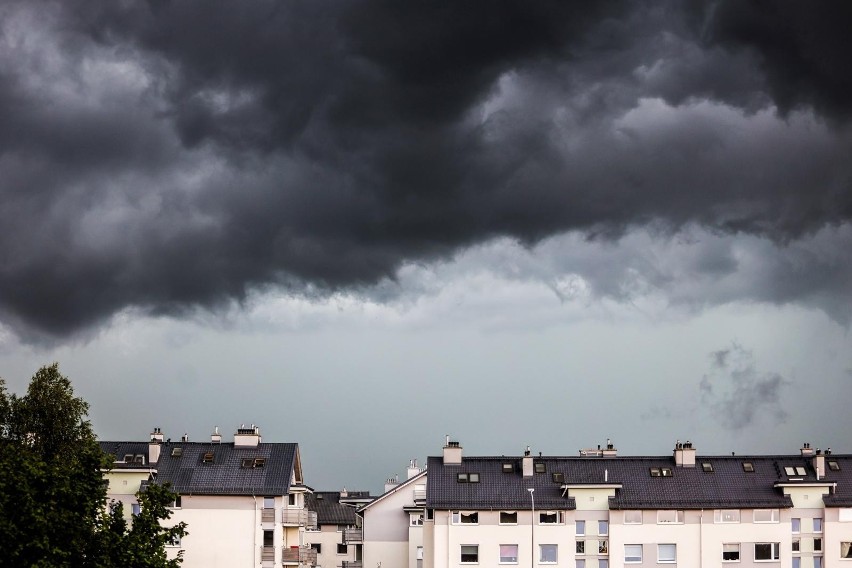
[465, 518]
[632, 517]
[416, 519]
[731, 552]
[603, 547]
[669, 516]
[269, 502]
[581, 528]
[508, 518]
[551, 518]
[632, 553]
[581, 563]
[817, 545]
[817, 525]
[581, 547]
[764, 551]
[135, 509]
[548, 553]
[603, 563]
[797, 562]
[796, 524]
[726, 516]
[666, 553]
[419, 553]
[508, 554]
[469, 553]
[603, 527]
[817, 561]
[342, 548]
[291, 499]
[766, 515]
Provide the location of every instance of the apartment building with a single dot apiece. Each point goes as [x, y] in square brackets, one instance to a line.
[337, 538]
[599, 510]
[131, 467]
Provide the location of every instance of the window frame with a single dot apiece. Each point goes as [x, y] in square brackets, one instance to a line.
[559, 517]
[666, 560]
[739, 552]
[475, 553]
[774, 516]
[774, 550]
[679, 516]
[628, 521]
[633, 558]
[513, 559]
[603, 524]
[580, 528]
[796, 525]
[719, 516]
[848, 550]
[541, 550]
[818, 520]
[540, 467]
[342, 546]
[502, 522]
[458, 517]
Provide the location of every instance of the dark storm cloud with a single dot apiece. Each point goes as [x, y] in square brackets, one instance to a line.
[737, 393]
[169, 155]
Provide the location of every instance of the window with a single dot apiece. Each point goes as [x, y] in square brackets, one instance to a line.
[247, 462]
[817, 545]
[581, 528]
[669, 516]
[632, 517]
[419, 553]
[797, 562]
[467, 478]
[540, 467]
[632, 553]
[603, 563]
[748, 467]
[800, 470]
[726, 516]
[508, 468]
[767, 550]
[796, 544]
[666, 471]
[508, 554]
[731, 552]
[817, 561]
[316, 547]
[547, 553]
[177, 452]
[707, 467]
[790, 471]
[269, 502]
[603, 547]
[766, 515]
[558, 477]
[462, 518]
[846, 549]
[833, 465]
[128, 458]
[207, 458]
[508, 518]
[603, 527]
[550, 518]
[796, 524]
[416, 519]
[581, 547]
[469, 553]
[268, 538]
[135, 509]
[291, 499]
[259, 462]
[342, 548]
[655, 472]
[817, 524]
[666, 553]
[581, 563]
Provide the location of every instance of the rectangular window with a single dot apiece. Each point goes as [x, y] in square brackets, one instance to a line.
[748, 467]
[603, 547]
[666, 471]
[767, 551]
[540, 467]
[817, 561]
[726, 516]
[508, 468]
[550, 518]
[416, 519]
[342, 548]
[268, 538]
[269, 502]
[469, 553]
[317, 547]
[508, 554]
[632, 517]
[508, 518]
[580, 563]
[817, 545]
[463, 518]
[846, 549]
[135, 509]
[790, 471]
[817, 525]
[707, 467]
[666, 553]
[766, 515]
[833, 466]
[291, 499]
[796, 544]
[581, 547]
[603, 527]
[731, 552]
[558, 477]
[797, 562]
[603, 563]
[632, 553]
[669, 517]
[796, 524]
[547, 553]
[581, 528]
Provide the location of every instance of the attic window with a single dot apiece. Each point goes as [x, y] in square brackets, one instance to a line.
[800, 470]
[319, 496]
[467, 478]
[259, 462]
[666, 471]
[247, 462]
[748, 467]
[558, 477]
[177, 452]
[207, 458]
[789, 470]
[833, 465]
[707, 467]
[508, 468]
[540, 467]
[139, 459]
[655, 472]
[128, 458]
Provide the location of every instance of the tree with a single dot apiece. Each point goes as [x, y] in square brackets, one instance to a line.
[52, 490]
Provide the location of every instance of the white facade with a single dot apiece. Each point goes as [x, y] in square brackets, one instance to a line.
[393, 525]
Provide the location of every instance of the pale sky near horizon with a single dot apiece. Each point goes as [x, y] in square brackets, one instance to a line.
[366, 225]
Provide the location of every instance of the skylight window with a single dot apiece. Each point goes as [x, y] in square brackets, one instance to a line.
[666, 471]
[259, 462]
[655, 472]
[707, 467]
[558, 477]
[789, 470]
[800, 470]
[207, 458]
[833, 465]
[540, 467]
[508, 468]
[467, 478]
[177, 452]
[748, 467]
[128, 458]
[247, 462]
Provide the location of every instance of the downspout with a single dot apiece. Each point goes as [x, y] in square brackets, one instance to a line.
[701, 539]
[255, 528]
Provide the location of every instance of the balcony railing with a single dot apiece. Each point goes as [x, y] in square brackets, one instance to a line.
[353, 564]
[267, 553]
[419, 493]
[267, 515]
[300, 517]
[302, 556]
[353, 534]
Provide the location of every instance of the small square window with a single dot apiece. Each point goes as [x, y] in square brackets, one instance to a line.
[508, 554]
[461, 478]
[469, 553]
[581, 528]
[632, 553]
[580, 563]
[259, 462]
[540, 467]
[207, 458]
[558, 477]
[797, 562]
[473, 477]
[833, 465]
[748, 467]
[317, 547]
[342, 548]
[707, 467]
[655, 472]
[508, 468]
[731, 552]
[666, 471]
[603, 563]
[547, 553]
[666, 553]
[796, 525]
[603, 527]
[247, 462]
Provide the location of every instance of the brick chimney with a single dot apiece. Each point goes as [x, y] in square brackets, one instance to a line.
[684, 454]
[452, 453]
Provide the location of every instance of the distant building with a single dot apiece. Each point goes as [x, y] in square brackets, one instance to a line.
[337, 538]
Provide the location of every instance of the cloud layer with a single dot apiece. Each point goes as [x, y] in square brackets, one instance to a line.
[165, 156]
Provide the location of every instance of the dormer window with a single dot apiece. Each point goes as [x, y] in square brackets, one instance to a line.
[128, 458]
[207, 458]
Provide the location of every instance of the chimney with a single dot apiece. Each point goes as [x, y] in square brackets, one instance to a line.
[452, 453]
[154, 446]
[185, 437]
[684, 454]
[806, 450]
[344, 493]
[391, 482]
[247, 437]
[818, 463]
[527, 463]
[609, 451]
[216, 437]
[412, 468]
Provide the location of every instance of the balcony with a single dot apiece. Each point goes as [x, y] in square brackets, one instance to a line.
[353, 564]
[267, 553]
[353, 535]
[299, 517]
[300, 556]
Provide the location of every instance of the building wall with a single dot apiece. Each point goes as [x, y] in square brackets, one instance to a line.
[389, 540]
[328, 537]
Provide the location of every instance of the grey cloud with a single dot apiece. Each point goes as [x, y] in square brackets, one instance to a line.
[164, 156]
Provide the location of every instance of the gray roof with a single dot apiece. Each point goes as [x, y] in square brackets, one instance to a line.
[120, 449]
[728, 485]
[225, 475]
[329, 509]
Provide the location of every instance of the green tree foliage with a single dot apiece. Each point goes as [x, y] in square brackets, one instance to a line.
[52, 490]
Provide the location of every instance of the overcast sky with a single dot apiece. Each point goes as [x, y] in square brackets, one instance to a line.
[365, 225]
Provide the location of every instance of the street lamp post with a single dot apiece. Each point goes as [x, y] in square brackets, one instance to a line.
[532, 528]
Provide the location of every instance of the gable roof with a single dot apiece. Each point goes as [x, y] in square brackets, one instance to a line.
[727, 485]
[395, 489]
[120, 449]
[329, 509]
[225, 474]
